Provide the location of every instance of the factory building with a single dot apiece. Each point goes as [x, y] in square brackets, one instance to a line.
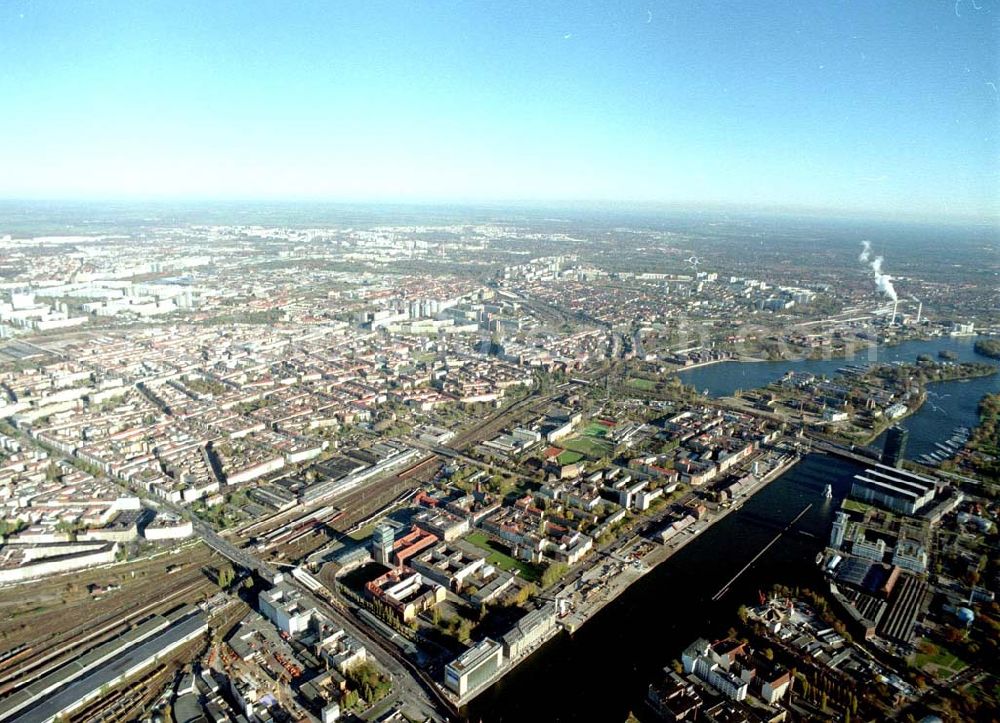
[894, 489]
[282, 605]
[533, 628]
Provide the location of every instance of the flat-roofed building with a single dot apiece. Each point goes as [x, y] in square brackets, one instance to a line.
[895, 489]
[444, 524]
[382, 540]
[674, 700]
[910, 555]
[895, 445]
[447, 565]
[533, 628]
[282, 605]
[873, 550]
[474, 667]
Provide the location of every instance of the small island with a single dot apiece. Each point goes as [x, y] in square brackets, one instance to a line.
[858, 403]
[988, 347]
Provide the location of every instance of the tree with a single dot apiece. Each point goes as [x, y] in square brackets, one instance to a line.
[526, 592]
[553, 573]
[10, 528]
[225, 576]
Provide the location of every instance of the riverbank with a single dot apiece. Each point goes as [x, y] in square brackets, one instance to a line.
[723, 380]
[673, 604]
[623, 566]
[688, 367]
[633, 565]
[921, 400]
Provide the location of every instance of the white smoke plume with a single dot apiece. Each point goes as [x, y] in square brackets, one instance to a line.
[883, 282]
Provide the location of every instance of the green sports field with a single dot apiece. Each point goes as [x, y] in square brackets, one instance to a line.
[588, 446]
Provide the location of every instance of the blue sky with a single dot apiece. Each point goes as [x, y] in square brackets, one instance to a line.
[886, 107]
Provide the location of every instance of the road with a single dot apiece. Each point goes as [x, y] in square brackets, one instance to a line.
[408, 679]
[239, 555]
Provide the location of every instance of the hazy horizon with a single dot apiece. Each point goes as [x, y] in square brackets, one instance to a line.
[573, 208]
[888, 109]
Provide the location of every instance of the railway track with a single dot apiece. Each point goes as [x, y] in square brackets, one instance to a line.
[16, 678]
[285, 518]
[129, 700]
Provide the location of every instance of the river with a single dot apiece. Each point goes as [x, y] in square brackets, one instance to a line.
[602, 672]
[949, 404]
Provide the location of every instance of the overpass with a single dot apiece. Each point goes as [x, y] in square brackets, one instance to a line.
[839, 450]
[238, 555]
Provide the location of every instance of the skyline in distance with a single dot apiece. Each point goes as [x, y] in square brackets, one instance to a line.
[888, 109]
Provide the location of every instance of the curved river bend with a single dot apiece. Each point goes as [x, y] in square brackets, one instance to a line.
[949, 404]
[601, 673]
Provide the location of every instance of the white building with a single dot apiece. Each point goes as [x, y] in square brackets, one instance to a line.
[282, 606]
[700, 659]
[533, 628]
[474, 667]
[910, 555]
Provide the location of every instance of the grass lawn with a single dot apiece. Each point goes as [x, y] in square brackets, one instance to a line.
[643, 384]
[589, 446]
[568, 457]
[943, 665]
[854, 506]
[497, 557]
[596, 429]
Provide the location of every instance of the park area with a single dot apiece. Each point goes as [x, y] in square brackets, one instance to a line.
[592, 443]
[592, 447]
[497, 555]
[937, 662]
[568, 457]
[643, 385]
